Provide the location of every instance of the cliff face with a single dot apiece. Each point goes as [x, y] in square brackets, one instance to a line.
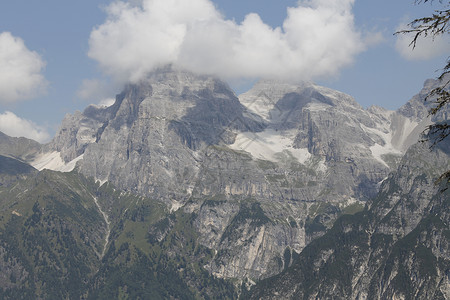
[161, 131]
[19, 148]
[264, 174]
[397, 248]
[181, 189]
[147, 141]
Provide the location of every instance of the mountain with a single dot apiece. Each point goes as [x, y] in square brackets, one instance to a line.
[182, 190]
[275, 167]
[397, 248]
[19, 148]
[51, 234]
[162, 128]
[152, 132]
[14, 154]
[62, 236]
[12, 170]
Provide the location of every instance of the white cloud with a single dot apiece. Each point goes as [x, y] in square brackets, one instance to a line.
[97, 90]
[317, 39]
[426, 47]
[91, 89]
[14, 126]
[107, 102]
[20, 70]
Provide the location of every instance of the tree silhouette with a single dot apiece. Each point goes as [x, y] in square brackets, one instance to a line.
[435, 25]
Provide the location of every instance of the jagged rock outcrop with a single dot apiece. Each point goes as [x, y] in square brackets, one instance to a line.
[297, 156]
[19, 148]
[196, 189]
[397, 248]
[177, 111]
[147, 141]
[79, 130]
[360, 145]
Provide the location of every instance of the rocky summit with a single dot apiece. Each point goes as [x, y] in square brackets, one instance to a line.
[182, 190]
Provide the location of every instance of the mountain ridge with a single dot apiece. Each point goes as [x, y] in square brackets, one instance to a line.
[247, 183]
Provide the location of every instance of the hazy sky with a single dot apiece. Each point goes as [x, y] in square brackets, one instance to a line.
[59, 56]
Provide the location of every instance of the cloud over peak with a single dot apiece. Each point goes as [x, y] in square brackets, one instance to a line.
[317, 39]
[20, 76]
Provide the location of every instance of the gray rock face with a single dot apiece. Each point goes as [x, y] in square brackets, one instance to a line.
[335, 130]
[19, 148]
[265, 174]
[79, 130]
[396, 249]
[148, 141]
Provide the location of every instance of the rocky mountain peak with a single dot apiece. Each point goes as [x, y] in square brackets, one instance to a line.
[176, 110]
[20, 148]
[171, 81]
[417, 108]
[257, 178]
[152, 130]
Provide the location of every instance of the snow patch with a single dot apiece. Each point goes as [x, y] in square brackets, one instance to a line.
[381, 182]
[397, 132]
[378, 150]
[72, 164]
[265, 145]
[317, 106]
[101, 182]
[404, 127]
[175, 206]
[53, 161]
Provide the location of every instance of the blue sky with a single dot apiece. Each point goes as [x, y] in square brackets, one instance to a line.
[67, 57]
